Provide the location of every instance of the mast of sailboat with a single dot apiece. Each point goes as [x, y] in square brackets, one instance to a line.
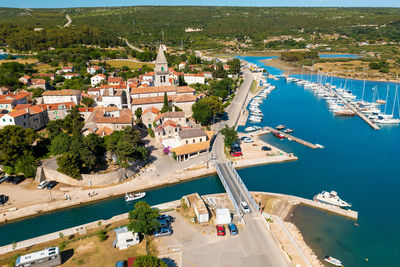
[394, 101]
[362, 96]
[387, 94]
[345, 84]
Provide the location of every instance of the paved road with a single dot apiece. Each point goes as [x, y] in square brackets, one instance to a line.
[133, 47]
[260, 238]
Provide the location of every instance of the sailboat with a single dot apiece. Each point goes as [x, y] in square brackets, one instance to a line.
[388, 118]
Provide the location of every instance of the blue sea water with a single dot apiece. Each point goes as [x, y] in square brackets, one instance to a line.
[339, 56]
[360, 163]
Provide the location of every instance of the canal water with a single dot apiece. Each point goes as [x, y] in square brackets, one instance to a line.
[361, 164]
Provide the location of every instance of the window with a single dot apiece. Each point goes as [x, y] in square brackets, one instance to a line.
[201, 139]
[187, 141]
[162, 68]
[10, 120]
[194, 140]
[129, 240]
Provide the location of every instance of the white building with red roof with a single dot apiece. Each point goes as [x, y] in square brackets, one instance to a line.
[97, 79]
[60, 96]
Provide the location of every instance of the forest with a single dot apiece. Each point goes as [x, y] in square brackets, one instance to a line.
[147, 26]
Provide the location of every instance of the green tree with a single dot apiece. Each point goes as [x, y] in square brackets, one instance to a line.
[26, 165]
[138, 113]
[230, 135]
[60, 144]
[54, 128]
[15, 142]
[86, 156]
[149, 261]
[143, 219]
[95, 144]
[87, 101]
[181, 81]
[234, 65]
[166, 106]
[206, 108]
[70, 164]
[74, 122]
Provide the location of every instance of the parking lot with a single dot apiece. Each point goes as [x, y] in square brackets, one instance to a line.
[195, 244]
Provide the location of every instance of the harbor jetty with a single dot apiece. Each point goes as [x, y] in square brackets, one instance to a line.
[355, 110]
[267, 129]
[294, 200]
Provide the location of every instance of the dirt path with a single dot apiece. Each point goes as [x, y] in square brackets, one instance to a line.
[69, 21]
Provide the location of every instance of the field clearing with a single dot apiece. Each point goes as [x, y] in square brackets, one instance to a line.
[21, 60]
[87, 250]
[129, 63]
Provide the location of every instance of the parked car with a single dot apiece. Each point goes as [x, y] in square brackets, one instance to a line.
[248, 140]
[236, 153]
[243, 137]
[42, 184]
[220, 229]
[232, 229]
[9, 179]
[235, 146]
[245, 207]
[266, 148]
[166, 217]
[2, 179]
[121, 264]
[51, 184]
[166, 231]
[163, 223]
[3, 199]
[18, 179]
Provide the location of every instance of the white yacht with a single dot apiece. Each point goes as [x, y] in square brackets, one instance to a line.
[331, 198]
[136, 196]
[333, 261]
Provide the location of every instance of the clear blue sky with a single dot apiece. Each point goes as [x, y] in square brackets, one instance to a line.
[102, 3]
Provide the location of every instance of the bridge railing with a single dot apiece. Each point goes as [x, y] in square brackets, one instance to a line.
[241, 183]
[227, 189]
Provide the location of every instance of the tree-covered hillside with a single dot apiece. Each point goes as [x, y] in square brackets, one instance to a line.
[249, 26]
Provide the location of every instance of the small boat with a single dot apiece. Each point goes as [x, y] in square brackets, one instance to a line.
[288, 131]
[333, 261]
[280, 127]
[279, 135]
[331, 198]
[250, 129]
[136, 196]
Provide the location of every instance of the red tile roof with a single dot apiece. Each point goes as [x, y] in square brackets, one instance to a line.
[61, 92]
[152, 110]
[17, 113]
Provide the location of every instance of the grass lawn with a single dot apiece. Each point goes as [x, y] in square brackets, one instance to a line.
[87, 250]
[130, 64]
[253, 87]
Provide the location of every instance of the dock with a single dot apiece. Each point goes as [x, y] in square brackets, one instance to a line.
[295, 200]
[359, 114]
[291, 137]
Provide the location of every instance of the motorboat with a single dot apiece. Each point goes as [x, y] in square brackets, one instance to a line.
[279, 135]
[280, 127]
[331, 198]
[136, 196]
[288, 131]
[333, 261]
[250, 129]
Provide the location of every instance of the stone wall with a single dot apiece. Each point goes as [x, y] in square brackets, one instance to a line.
[49, 171]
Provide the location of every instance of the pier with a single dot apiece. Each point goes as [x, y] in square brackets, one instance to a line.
[359, 114]
[295, 200]
[298, 140]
